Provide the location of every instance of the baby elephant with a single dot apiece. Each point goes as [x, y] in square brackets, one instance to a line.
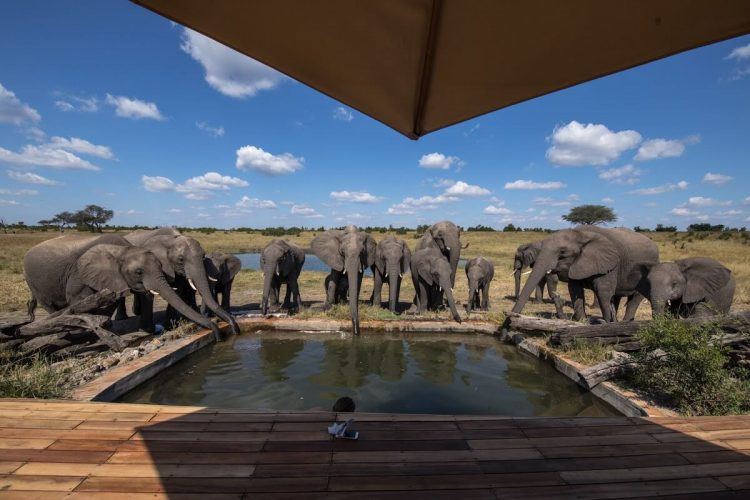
[479, 272]
[431, 276]
[698, 286]
[221, 269]
[341, 290]
[282, 263]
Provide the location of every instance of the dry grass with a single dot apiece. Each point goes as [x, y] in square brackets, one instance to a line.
[498, 247]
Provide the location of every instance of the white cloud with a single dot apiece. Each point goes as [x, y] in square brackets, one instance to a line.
[227, 71]
[342, 114]
[35, 134]
[684, 212]
[527, 184]
[131, 211]
[576, 144]
[19, 192]
[247, 202]
[81, 146]
[718, 179]
[411, 205]
[175, 210]
[355, 196]
[30, 178]
[305, 211]
[157, 183]
[213, 131]
[463, 189]
[349, 218]
[73, 103]
[729, 213]
[746, 201]
[8, 202]
[607, 200]
[740, 53]
[496, 209]
[254, 158]
[12, 110]
[700, 201]
[664, 188]
[550, 202]
[45, 156]
[202, 187]
[653, 149]
[440, 161]
[625, 175]
[135, 109]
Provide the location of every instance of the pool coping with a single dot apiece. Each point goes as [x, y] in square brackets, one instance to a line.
[117, 381]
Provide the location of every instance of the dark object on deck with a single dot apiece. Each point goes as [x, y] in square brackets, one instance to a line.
[421, 65]
[344, 405]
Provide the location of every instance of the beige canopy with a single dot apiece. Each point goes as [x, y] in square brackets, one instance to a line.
[421, 65]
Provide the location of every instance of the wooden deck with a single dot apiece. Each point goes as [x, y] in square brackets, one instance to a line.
[105, 450]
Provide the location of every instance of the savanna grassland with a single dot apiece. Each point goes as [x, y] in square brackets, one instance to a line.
[733, 249]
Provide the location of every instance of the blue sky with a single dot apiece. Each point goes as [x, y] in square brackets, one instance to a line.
[107, 103]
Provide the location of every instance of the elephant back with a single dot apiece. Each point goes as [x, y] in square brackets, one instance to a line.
[141, 236]
[637, 253]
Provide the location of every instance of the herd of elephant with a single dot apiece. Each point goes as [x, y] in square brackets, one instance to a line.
[613, 263]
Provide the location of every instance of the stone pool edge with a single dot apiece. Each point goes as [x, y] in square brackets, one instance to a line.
[123, 378]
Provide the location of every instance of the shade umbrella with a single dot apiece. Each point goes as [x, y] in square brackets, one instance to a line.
[421, 65]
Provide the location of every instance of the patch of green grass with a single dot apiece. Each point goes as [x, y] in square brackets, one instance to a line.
[694, 377]
[588, 353]
[33, 377]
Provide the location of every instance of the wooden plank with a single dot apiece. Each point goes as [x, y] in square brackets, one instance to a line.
[655, 473]
[175, 485]
[570, 464]
[738, 482]
[24, 443]
[25, 455]
[65, 434]
[479, 444]
[458, 481]
[149, 434]
[35, 423]
[433, 456]
[134, 470]
[173, 425]
[625, 449]
[35, 483]
[252, 458]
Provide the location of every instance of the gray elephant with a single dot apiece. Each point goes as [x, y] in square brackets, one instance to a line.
[64, 270]
[430, 274]
[341, 288]
[221, 269]
[282, 263]
[698, 286]
[525, 257]
[479, 272]
[348, 252]
[611, 262]
[392, 260]
[446, 237]
[183, 261]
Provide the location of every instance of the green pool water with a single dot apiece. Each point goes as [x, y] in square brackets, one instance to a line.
[395, 373]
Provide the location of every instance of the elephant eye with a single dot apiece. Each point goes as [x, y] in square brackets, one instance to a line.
[139, 272]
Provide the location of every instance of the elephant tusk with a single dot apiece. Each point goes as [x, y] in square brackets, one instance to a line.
[441, 288]
[212, 279]
[344, 271]
[548, 272]
[400, 275]
[154, 293]
[192, 285]
[448, 248]
[529, 272]
[386, 275]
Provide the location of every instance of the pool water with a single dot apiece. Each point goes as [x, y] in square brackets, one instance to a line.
[394, 373]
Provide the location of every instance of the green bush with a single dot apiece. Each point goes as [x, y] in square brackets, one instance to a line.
[30, 378]
[694, 377]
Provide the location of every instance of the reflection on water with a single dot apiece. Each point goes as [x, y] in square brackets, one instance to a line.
[399, 373]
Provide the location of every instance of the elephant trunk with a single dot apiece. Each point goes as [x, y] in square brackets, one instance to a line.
[517, 279]
[473, 291]
[160, 286]
[451, 302]
[352, 272]
[658, 307]
[394, 276]
[268, 275]
[198, 278]
[545, 263]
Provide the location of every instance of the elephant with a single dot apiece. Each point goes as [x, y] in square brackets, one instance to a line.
[348, 251]
[525, 257]
[446, 237]
[392, 260]
[222, 267]
[698, 286]
[64, 270]
[341, 288]
[611, 262]
[430, 274]
[479, 272]
[281, 262]
[183, 261]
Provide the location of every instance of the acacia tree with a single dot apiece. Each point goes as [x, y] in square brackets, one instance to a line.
[93, 217]
[590, 214]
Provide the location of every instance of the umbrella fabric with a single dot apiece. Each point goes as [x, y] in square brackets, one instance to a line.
[421, 65]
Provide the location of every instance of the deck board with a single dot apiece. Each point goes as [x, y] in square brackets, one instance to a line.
[74, 450]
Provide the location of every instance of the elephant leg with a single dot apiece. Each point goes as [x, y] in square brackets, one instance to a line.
[539, 292]
[226, 294]
[634, 301]
[296, 300]
[552, 281]
[121, 313]
[288, 295]
[30, 308]
[575, 289]
[422, 298]
[486, 297]
[146, 319]
[398, 292]
[332, 290]
[136, 304]
[377, 288]
[604, 296]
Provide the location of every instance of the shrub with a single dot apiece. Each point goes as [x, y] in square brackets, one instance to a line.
[30, 378]
[694, 377]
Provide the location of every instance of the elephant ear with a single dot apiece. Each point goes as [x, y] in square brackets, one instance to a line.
[528, 257]
[234, 265]
[704, 278]
[158, 246]
[598, 256]
[370, 250]
[424, 269]
[99, 268]
[379, 259]
[327, 247]
[405, 257]
[212, 271]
